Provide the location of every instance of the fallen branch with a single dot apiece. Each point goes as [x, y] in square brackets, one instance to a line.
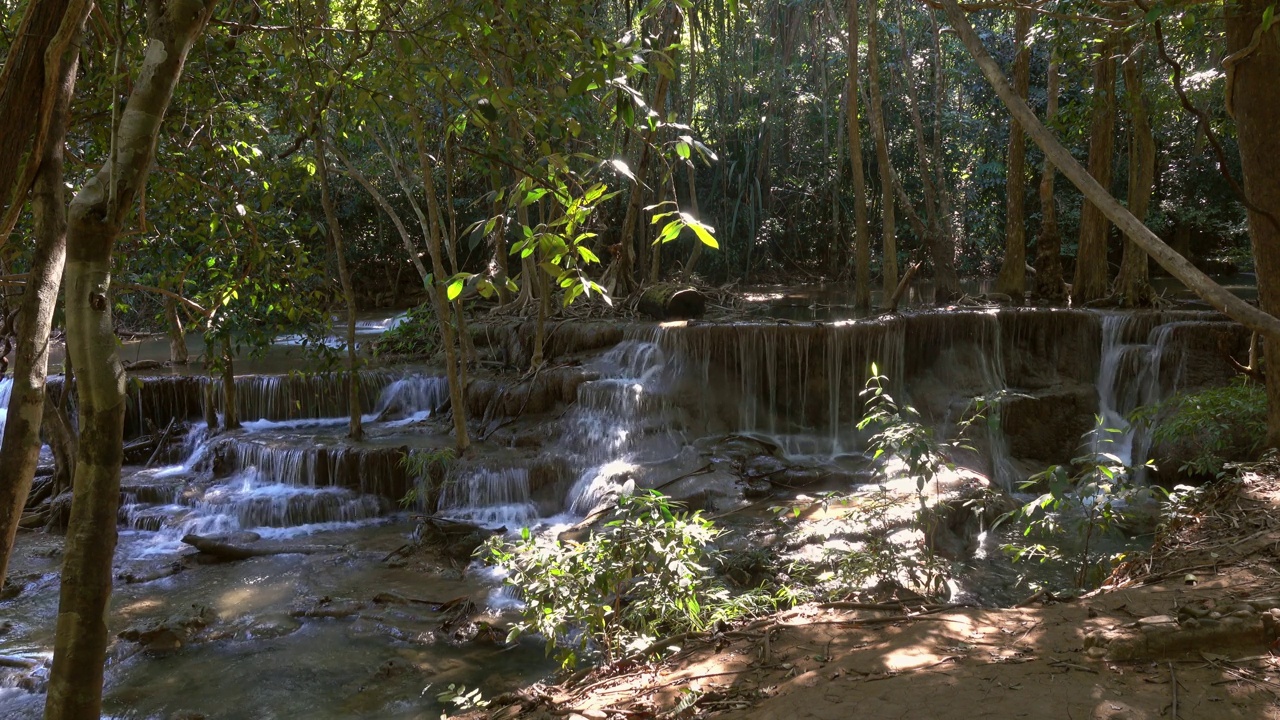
[228, 551]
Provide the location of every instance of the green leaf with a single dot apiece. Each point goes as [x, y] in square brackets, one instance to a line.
[455, 289]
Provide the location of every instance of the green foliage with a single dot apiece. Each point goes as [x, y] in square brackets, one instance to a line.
[460, 699]
[645, 574]
[900, 433]
[418, 334]
[1215, 426]
[425, 466]
[1079, 506]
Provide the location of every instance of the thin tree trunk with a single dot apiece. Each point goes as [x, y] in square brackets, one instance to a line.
[889, 263]
[1012, 278]
[1133, 283]
[1091, 258]
[20, 449]
[862, 229]
[938, 239]
[1211, 292]
[355, 427]
[230, 406]
[1251, 88]
[94, 221]
[178, 354]
[454, 365]
[1049, 283]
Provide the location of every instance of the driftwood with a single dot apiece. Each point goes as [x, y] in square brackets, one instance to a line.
[903, 284]
[672, 302]
[164, 439]
[228, 551]
[19, 662]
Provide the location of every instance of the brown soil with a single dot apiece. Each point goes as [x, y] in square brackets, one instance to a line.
[1032, 662]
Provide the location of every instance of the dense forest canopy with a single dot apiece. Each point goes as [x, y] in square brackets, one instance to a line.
[244, 170]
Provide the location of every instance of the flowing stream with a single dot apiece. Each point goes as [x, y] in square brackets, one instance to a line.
[642, 412]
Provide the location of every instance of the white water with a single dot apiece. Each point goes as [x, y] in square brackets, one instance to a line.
[6, 385]
[1129, 376]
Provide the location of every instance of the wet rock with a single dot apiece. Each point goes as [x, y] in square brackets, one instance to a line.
[757, 489]
[762, 466]
[1046, 426]
[168, 635]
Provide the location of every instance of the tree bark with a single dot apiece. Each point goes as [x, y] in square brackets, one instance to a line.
[889, 262]
[1091, 257]
[454, 365]
[29, 84]
[862, 229]
[938, 238]
[1133, 283]
[1178, 266]
[20, 449]
[178, 354]
[355, 426]
[230, 406]
[94, 221]
[1251, 87]
[1012, 278]
[1049, 282]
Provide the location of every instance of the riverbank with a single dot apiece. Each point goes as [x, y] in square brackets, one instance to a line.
[1183, 631]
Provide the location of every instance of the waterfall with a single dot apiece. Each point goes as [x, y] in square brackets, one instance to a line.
[6, 386]
[1131, 374]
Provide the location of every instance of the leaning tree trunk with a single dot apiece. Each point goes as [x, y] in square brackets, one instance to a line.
[1251, 93]
[355, 428]
[1133, 284]
[94, 221]
[1012, 278]
[20, 449]
[862, 229]
[889, 262]
[1091, 258]
[1049, 282]
[1178, 266]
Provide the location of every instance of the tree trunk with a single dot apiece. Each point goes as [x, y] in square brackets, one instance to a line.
[94, 221]
[230, 407]
[940, 242]
[355, 426]
[28, 91]
[1049, 283]
[1211, 292]
[1133, 283]
[1251, 87]
[1012, 278]
[862, 229]
[1091, 258]
[454, 365]
[178, 354]
[889, 263]
[20, 449]
[622, 269]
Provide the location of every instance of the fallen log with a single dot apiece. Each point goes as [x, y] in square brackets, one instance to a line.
[20, 663]
[228, 551]
[672, 302]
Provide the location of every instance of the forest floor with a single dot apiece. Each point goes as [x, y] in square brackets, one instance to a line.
[1035, 662]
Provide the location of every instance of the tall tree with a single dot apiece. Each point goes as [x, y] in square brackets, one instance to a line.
[862, 229]
[1012, 278]
[1253, 64]
[26, 84]
[20, 447]
[1049, 283]
[889, 262]
[1132, 284]
[95, 218]
[1091, 257]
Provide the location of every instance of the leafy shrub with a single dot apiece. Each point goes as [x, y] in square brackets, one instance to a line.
[1207, 429]
[641, 576]
[417, 334]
